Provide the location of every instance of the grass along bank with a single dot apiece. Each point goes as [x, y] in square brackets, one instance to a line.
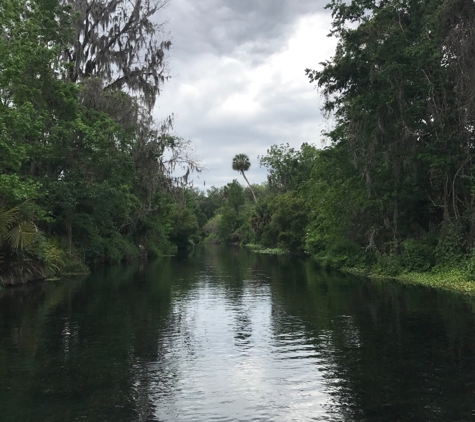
[262, 249]
[455, 279]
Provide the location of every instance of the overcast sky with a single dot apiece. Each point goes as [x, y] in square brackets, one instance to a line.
[238, 83]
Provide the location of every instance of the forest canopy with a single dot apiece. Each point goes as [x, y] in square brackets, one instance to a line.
[394, 191]
[85, 171]
[87, 176]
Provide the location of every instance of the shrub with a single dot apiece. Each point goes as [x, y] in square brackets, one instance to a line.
[389, 264]
[342, 253]
[417, 255]
[451, 246]
[470, 267]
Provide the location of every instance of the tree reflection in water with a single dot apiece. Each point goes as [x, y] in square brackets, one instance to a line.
[226, 333]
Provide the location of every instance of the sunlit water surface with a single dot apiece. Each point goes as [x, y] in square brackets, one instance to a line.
[224, 334]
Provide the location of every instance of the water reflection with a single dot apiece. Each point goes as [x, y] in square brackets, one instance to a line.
[226, 334]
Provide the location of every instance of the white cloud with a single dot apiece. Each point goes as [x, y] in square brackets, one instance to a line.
[241, 92]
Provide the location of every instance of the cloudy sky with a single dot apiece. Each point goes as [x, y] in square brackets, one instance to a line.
[238, 83]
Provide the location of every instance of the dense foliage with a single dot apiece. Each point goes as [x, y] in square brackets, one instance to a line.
[273, 215]
[400, 89]
[394, 191]
[85, 173]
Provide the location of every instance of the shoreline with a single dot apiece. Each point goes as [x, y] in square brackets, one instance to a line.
[449, 279]
[452, 280]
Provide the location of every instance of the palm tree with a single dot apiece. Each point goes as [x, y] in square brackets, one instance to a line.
[241, 164]
[16, 231]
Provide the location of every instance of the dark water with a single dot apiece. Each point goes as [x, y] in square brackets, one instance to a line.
[228, 335]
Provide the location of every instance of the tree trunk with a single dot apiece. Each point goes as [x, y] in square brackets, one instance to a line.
[446, 202]
[69, 228]
[248, 184]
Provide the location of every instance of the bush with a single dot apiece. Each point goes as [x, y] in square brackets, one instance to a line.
[245, 234]
[49, 252]
[342, 253]
[417, 255]
[228, 225]
[470, 267]
[211, 228]
[451, 246]
[389, 264]
[74, 264]
[159, 247]
[184, 227]
[118, 248]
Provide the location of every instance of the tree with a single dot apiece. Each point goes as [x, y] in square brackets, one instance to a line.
[241, 164]
[281, 221]
[119, 58]
[78, 143]
[288, 169]
[398, 87]
[121, 43]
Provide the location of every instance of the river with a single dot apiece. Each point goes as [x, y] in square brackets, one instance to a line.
[225, 334]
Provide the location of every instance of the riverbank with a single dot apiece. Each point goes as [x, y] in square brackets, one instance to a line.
[262, 249]
[450, 279]
[454, 279]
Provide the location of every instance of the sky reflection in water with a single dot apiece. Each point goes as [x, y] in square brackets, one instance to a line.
[228, 335]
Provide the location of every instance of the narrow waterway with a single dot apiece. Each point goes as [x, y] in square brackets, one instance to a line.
[225, 334]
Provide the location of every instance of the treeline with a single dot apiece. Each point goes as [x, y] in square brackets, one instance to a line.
[273, 215]
[401, 90]
[395, 189]
[86, 174]
[85, 171]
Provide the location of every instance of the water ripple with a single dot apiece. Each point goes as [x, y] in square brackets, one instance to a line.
[224, 360]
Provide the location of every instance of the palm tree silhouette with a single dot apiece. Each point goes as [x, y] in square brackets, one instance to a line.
[241, 164]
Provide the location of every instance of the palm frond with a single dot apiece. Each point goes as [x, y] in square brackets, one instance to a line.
[7, 218]
[21, 235]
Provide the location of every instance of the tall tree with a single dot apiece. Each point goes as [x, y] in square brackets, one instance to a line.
[241, 164]
[288, 169]
[397, 87]
[121, 43]
[119, 57]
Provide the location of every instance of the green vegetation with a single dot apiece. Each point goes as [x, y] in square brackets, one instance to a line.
[83, 173]
[393, 195]
[273, 217]
[88, 177]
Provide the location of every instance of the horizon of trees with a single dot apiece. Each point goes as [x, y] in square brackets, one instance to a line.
[394, 190]
[84, 178]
